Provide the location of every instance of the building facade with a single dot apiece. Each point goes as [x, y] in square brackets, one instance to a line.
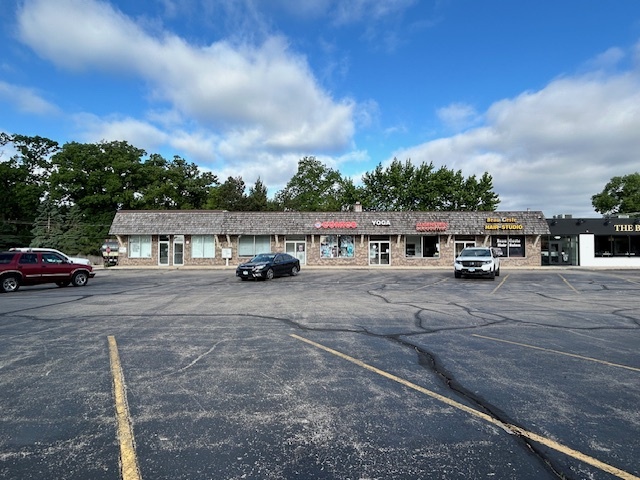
[346, 239]
[592, 242]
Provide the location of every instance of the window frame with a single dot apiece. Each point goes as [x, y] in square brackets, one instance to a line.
[252, 245]
[508, 249]
[140, 246]
[207, 251]
[420, 241]
[337, 246]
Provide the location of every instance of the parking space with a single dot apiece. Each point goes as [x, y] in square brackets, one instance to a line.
[364, 374]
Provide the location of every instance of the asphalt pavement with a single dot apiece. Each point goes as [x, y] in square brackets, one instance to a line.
[334, 374]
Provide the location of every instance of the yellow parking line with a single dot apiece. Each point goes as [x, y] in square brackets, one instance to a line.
[500, 284]
[506, 426]
[570, 286]
[128, 459]
[604, 362]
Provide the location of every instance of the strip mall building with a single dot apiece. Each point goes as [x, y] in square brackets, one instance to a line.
[346, 239]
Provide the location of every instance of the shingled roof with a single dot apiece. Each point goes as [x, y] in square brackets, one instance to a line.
[211, 222]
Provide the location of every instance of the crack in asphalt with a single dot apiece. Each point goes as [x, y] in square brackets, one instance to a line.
[426, 359]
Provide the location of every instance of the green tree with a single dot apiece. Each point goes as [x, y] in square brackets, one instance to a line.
[48, 228]
[392, 188]
[314, 188]
[406, 187]
[620, 195]
[257, 200]
[24, 181]
[229, 196]
[98, 179]
[174, 185]
[81, 235]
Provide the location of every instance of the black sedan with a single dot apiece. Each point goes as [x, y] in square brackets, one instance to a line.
[269, 265]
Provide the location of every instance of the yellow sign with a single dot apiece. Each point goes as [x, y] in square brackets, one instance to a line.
[627, 228]
[504, 223]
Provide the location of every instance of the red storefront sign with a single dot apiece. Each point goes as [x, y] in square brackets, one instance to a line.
[431, 226]
[333, 224]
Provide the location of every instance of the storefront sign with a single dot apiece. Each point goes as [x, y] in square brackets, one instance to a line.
[504, 223]
[627, 228]
[381, 223]
[431, 226]
[503, 242]
[332, 224]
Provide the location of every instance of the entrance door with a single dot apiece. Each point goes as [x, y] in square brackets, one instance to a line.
[163, 251]
[298, 249]
[379, 252]
[178, 250]
[558, 253]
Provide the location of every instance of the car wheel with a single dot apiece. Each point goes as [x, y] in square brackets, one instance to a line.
[10, 283]
[492, 275]
[269, 275]
[457, 274]
[294, 271]
[498, 272]
[80, 279]
[63, 284]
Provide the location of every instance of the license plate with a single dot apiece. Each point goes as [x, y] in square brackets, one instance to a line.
[472, 269]
[245, 273]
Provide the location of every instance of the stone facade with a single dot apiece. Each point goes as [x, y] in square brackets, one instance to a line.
[177, 228]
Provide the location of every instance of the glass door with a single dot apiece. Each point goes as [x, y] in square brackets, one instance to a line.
[298, 249]
[178, 250]
[379, 252]
[163, 250]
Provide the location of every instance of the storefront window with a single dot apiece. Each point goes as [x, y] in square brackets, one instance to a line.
[617, 245]
[422, 246]
[336, 246]
[511, 245]
[140, 246]
[251, 245]
[203, 246]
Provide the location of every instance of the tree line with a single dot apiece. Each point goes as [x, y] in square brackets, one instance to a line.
[66, 196]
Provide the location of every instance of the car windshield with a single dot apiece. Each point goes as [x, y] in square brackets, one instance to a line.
[263, 257]
[472, 252]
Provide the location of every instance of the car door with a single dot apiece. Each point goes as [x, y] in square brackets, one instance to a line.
[54, 267]
[30, 268]
[279, 265]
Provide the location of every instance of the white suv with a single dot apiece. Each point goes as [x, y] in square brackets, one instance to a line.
[477, 261]
[80, 260]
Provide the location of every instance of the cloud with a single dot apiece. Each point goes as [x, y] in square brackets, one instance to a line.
[549, 149]
[114, 128]
[458, 116]
[359, 10]
[26, 100]
[265, 92]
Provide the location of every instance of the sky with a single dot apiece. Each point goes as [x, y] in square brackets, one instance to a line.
[542, 95]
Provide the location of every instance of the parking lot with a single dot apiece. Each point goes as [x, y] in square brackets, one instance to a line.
[333, 374]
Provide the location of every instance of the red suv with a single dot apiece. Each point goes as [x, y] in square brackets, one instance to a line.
[33, 268]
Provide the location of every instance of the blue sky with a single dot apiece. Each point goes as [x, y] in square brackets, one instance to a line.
[543, 95]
